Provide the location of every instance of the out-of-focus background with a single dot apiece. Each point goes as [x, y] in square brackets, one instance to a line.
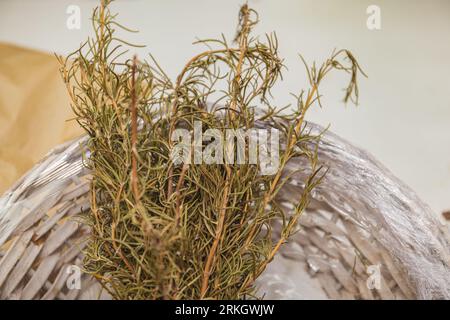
[404, 113]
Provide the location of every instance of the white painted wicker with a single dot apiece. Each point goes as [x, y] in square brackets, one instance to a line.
[360, 217]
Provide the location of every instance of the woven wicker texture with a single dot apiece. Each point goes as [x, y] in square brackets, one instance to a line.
[359, 217]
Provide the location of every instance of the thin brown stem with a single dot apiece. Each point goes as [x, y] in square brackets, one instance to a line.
[269, 194]
[243, 40]
[218, 236]
[178, 193]
[118, 250]
[134, 175]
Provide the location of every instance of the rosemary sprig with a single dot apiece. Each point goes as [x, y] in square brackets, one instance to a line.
[191, 231]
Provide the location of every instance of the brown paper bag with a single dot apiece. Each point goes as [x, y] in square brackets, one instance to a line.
[34, 110]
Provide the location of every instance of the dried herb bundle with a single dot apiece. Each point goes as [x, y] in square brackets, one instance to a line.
[189, 231]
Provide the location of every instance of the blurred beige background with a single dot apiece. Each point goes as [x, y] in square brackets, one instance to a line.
[404, 113]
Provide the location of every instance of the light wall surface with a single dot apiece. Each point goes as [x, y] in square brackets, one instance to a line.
[404, 114]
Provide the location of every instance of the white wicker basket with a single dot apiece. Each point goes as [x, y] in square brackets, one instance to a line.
[361, 219]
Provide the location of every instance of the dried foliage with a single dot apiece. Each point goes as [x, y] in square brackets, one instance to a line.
[165, 231]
